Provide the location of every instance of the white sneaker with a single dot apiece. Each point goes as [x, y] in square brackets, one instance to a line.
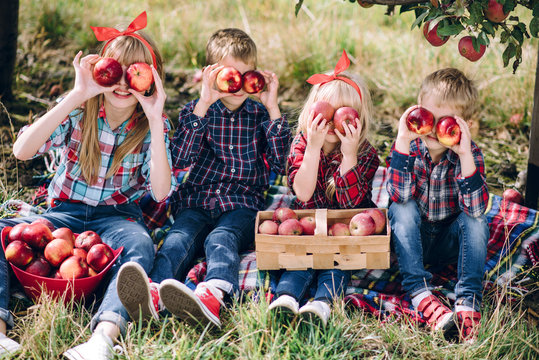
[285, 303]
[138, 294]
[99, 347]
[317, 308]
[8, 346]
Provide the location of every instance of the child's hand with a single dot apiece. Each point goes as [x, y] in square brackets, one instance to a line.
[465, 145]
[209, 94]
[85, 85]
[268, 97]
[403, 130]
[317, 130]
[350, 139]
[152, 105]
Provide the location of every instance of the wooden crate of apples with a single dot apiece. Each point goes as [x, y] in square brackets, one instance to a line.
[42, 256]
[322, 239]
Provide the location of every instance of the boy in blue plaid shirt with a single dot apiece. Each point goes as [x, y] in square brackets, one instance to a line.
[439, 198]
[231, 143]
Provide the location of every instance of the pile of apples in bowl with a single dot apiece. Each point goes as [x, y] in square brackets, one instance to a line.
[57, 261]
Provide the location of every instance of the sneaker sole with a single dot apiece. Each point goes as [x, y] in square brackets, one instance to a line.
[134, 293]
[447, 325]
[282, 309]
[183, 303]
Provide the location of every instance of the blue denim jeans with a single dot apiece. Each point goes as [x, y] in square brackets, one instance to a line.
[418, 242]
[118, 225]
[331, 283]
[221, 235]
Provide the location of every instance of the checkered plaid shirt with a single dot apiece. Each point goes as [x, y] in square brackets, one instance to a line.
[128, 184]
[439, 189]
[352, 190]
[230, 155]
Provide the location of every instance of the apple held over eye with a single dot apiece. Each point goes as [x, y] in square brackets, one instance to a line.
[345, 115]
[308, 223]
[253, 82]
[290, 227]
[379, 219]
[99, 257]
[19, 253]
[362, 224]
[73, 268]
[432, 35]
[448, 131]
[494, 12]
[268, 227]
[57, 251]
[324, 108]
[139, 76]
[39, 267]
[467, 50]
[229, 80]
[420, 121]
[282, 214]
[44, 222]
[87, 239]
[64, 233]
[16, 231]
[107, 71]
[339, 229]
[37, 235]
[513, 196]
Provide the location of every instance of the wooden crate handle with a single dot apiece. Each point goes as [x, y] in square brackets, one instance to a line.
[321, 218]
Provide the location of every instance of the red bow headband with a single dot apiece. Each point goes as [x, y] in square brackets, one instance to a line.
[107, 33]
[342, 65]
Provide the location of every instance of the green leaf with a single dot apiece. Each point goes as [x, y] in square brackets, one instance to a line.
[483, 38]
[534, 27]
[517, 34]
[504, 36]
[448, 30]
[487, 25]
[298, 6]
[407, 7]
[475, 44]
[508, 53]
[535, 11]
[509, 5]
[419, 20]
[476, 12]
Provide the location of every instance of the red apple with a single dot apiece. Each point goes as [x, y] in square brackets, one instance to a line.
[139, 76]
[87, 239]
[290, 227]
[6, 230]
[420, 121]
[45, 222]
[268, 227]
[64, 233]
[362, 224]
[494, 12]
[73, 268]
[99, 257]
[513, 196]
[364, 4]
[448, 131]
[253, 82]
[344, 115]
[16, 231]
[324, 108]
[107, 71]
[91, 272]
[308, 224]
[229, 80]
[57, 250]
[39, 267]
[80, 253]
[19, 253]
[339, 229]
[283, 213]
[467, 50]
[432, 35]
[37, 235]
[379, 219]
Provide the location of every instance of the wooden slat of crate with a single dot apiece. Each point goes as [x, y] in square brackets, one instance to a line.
[296, 262]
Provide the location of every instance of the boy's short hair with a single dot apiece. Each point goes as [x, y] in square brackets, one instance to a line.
[233, 42]
[451, 87]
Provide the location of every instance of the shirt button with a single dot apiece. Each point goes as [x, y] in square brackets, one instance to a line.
[195, 124]
[217, 191]
[233, 170]
[232, 119]
[279, 126]
[230, 147]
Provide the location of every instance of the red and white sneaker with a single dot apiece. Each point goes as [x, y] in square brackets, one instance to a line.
[437, 315]
[138, 294]
[198, 307]
[468, 323]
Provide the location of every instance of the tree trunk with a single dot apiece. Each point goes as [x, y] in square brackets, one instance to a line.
[532, 182]
[9, 19]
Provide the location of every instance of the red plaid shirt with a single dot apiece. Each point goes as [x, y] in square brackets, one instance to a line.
[352, 190]
[230, 155]
[439, 189]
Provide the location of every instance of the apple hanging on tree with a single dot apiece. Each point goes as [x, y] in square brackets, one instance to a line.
[432, 35]
[467, 50]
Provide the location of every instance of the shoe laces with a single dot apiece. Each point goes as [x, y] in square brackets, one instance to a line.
[156, 300]
[207, 291]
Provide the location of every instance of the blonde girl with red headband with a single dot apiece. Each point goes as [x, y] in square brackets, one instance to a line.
[328, 169]
[114, 148]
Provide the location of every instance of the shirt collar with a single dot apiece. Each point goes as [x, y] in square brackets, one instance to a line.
[248, 105]
[124, 127]
[450, 155]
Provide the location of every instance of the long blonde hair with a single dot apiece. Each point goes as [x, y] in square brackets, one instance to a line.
[127, 50]
[339, 93]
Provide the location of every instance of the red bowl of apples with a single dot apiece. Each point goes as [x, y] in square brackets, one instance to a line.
[75, 288]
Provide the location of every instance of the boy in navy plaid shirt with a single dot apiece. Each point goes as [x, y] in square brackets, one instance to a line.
[231, 143]
[439, 198]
